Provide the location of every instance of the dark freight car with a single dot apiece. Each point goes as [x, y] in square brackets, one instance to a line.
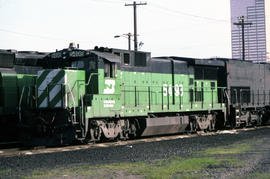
[248, 91]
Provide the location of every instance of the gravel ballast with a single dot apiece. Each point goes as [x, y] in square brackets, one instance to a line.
[252, 161]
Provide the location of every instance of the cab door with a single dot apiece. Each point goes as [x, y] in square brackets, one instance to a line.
[111, 90]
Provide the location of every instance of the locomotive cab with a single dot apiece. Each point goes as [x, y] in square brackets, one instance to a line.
[87, 86]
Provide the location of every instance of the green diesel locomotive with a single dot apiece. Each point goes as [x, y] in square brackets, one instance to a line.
[17, 87]
[111, 93]
[16, 91]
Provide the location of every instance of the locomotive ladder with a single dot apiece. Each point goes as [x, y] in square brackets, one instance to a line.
[78, 121]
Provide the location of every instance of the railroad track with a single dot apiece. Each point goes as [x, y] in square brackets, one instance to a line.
[42, 149]
[11, 144]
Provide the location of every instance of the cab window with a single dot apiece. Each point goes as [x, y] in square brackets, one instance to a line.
[92, 65]
[109, 69]
[126, 58]
[78, 64]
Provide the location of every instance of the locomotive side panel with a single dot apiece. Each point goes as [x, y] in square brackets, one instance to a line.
[248, 93]
[267, 83]
[247, 85]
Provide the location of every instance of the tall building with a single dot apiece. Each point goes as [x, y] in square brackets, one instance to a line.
[256, 35]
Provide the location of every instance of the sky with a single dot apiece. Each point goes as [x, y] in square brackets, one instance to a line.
[191, 28]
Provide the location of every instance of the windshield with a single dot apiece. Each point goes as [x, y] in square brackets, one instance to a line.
[78, 64]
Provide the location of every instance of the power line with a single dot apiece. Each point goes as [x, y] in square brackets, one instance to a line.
[189, 14]
[30, 35]
[37, 36]
[109, 1]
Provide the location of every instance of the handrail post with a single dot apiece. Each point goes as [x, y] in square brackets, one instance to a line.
[269, 97]
[149, 98]
[264, 97]
[180, 101]
[258, 101]
[253, 98]
[168, 97]
[124, 94]
[202, 96]
[36, 96]
[73, 101]
[162, 103]
[191, 97]
[48, 95]
[20, 103]
[212, 92]
[240, 97]
[236, 97]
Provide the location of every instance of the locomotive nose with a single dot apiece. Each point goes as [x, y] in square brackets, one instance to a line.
[51, 88]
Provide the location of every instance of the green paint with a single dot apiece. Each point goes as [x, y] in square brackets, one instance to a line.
[136, 93]
[11, 86]
[66, 90]
[142, 93]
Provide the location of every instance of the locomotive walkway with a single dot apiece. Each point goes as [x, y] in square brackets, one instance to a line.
[229, 154]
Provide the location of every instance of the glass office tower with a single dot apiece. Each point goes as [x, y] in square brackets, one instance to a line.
[257, 35]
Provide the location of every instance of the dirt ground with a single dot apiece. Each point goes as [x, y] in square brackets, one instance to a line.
[243, 154]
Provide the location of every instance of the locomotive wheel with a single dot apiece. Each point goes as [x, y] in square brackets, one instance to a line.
[193, 126]
[41, 127]
[95, 133]
[212, 125]
[123, 135]
[259, 121]
[134, 128]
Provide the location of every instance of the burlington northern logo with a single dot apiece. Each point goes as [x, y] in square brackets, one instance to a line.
[109, 87]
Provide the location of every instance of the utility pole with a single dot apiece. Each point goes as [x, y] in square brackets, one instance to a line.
[128, 36]
[129, 39]
[134, 4]
[242, 23]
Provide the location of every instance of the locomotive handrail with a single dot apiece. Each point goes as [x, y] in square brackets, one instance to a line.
[91, 75]
[76, 82]
[20, 103]
[73, 101]
[187, 88]
[167, 101]
[83, 122]
[249, 97]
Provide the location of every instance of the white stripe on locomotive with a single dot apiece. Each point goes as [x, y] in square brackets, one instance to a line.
[46, 81]
[53, 92]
